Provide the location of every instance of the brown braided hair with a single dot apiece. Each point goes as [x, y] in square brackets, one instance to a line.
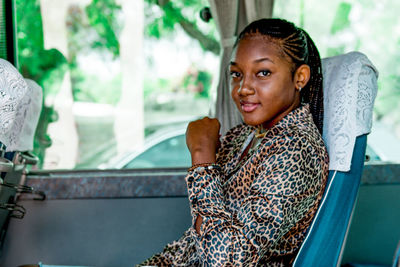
[296, 44]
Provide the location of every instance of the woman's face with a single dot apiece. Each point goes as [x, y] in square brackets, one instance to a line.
[262, 84]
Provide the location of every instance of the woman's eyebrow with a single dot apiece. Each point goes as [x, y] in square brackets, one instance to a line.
[263, 59]
[233, 63]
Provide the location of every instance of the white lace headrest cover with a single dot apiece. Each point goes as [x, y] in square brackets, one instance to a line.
[14, 102]
[350, 87]
[27, 134]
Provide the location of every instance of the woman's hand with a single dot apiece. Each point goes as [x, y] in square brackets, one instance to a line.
[202, 139]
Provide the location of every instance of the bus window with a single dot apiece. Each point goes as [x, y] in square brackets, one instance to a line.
[118, 75]
[115, 74]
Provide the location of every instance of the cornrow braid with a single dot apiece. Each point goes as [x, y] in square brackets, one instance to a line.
[314, 93]
[296, 44]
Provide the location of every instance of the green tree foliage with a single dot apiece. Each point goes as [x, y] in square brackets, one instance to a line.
[46, 67]
[162, 22]
[103, 17]
[198, 82]
[340, 23]
[91, 31]
[162, 17]
[341, 20]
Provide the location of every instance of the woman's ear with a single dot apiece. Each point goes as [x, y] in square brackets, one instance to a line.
[302, 76]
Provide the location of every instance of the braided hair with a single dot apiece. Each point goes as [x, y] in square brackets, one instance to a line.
[296, 44]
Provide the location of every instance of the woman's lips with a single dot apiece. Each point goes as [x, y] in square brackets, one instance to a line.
[248, 106]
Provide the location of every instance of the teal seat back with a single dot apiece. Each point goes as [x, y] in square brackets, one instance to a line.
[350, 86]
[325, 240]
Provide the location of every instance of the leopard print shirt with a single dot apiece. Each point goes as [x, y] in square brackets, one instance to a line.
[256, 210]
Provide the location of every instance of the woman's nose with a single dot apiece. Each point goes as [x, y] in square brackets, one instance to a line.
[246, 87]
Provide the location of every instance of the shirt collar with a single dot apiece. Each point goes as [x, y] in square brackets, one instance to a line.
[292, 118]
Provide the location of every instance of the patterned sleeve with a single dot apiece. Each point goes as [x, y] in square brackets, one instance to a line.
[280, 195]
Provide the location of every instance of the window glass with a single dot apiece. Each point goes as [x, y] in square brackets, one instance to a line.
[119, 74]
[368, 26]
[155, 156]
[115, 75]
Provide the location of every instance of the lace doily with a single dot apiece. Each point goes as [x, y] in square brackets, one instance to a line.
[27, 134]
[14, 103]
[350, 87]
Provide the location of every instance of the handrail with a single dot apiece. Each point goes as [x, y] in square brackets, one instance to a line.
[6, 165]
[28, 158]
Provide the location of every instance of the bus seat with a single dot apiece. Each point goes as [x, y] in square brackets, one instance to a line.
[14, 101]
[396, 259]
[350, 87]
[13, 89]
[27, 134]
[20, 104]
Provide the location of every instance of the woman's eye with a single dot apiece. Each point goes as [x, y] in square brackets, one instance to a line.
[264, 73]
[235, 74]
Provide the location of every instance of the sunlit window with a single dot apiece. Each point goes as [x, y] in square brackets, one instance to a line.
[122, 78]
[119, 76]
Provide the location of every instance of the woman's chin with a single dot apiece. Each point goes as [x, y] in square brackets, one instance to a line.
[251, 122]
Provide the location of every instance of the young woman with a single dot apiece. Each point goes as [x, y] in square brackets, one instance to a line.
[254, 195]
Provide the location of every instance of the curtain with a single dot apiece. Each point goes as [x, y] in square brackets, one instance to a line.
[225, 15]
[230, 17]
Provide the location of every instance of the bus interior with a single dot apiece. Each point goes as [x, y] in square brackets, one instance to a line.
[95, 174]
